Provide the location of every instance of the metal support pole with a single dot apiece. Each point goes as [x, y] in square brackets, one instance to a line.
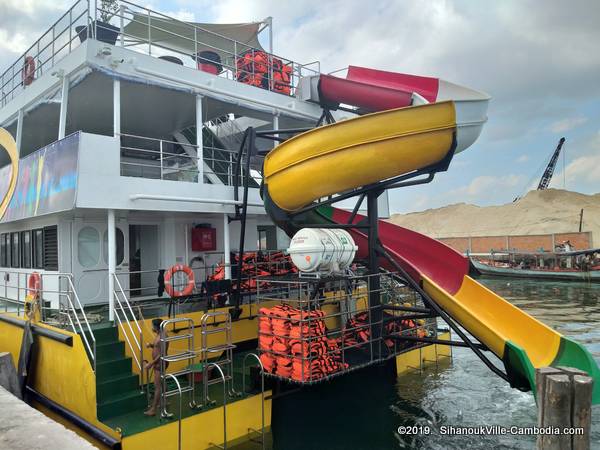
[375, 281]
[200, 138]
[276, 127]
[19, 136]
[160, 150]
[226, 247]
[112, 263]
[64, 101]
[116, 107]
[242, 211]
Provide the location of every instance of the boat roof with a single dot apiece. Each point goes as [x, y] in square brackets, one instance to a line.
[542, 253]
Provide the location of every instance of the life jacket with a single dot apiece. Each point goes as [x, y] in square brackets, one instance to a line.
[268, 362]
[281, 77]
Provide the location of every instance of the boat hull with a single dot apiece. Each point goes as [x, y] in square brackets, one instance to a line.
[484, 269]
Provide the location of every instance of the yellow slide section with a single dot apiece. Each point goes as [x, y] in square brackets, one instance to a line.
[362, 150]
[494, 321]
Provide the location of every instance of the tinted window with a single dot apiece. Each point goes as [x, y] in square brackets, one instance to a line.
[26, 249]
[15, 250]
[4, 250]
[38, 249]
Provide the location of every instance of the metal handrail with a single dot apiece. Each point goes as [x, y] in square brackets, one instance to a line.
[180, 408]
[132, 318]
[224, 446]
[91, 348]
[13, 72]
[262, 391]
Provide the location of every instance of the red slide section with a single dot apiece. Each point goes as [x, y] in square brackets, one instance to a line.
[417, 253]
[375, 90]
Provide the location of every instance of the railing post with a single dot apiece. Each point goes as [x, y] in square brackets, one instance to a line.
[199, 139]
[149, 35]
[111, 263]
[196, 45]
[235, 60]
[160, 146]
[70, 30]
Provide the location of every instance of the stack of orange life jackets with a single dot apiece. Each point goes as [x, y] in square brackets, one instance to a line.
[253, 68]
[256, 264]
[358, 331]
[298, 348]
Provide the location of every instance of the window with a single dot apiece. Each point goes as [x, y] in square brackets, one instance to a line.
[4, 250]
[26, 249]
[88, 247]
[15, 251]
[120, 238]
[37, 237]
[50, 239]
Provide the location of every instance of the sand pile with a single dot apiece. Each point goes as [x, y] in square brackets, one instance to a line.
[539, 212]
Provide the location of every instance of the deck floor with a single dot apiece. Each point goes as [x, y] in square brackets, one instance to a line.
[136, 422]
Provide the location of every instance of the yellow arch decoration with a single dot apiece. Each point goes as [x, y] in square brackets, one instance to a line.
[9, 144]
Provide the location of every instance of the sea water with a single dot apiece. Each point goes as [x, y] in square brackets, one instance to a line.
[364, 410]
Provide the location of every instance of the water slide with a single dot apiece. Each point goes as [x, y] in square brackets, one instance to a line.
[429, 122]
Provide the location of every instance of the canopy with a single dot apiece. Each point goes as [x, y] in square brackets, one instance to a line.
[224, 39]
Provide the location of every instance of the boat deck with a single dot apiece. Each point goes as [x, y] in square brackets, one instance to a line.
[136, 422]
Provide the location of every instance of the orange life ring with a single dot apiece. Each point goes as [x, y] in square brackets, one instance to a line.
[34, 284]
[28, 72]
[189, 288]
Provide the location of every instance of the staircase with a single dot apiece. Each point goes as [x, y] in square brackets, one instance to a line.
[118, 390]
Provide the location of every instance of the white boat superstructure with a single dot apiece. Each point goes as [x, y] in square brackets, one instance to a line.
[113, 174]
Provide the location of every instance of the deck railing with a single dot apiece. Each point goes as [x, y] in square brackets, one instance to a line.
[54, 288]
[162, 159]
[60, 40]
[81, 21]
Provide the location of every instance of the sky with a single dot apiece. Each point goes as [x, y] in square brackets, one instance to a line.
[539, 60]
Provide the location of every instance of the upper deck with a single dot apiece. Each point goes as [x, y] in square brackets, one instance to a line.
[149, 32]
[137, 98]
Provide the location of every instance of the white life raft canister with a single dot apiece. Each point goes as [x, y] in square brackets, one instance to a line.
[322, 250]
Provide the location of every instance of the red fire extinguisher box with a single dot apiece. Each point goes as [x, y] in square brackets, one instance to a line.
[204, 239]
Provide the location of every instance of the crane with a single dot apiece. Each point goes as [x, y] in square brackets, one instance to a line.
[549, 171]
[547, 175]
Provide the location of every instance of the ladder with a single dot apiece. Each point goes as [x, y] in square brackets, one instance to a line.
[215, 323]
[187, 354]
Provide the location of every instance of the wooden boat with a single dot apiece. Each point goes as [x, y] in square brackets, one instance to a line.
[581, 265]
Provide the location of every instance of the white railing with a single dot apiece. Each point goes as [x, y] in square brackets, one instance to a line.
[60, 40]
[72, 311]
[158, 159]
[54, 287]
[153, 158]
[81, 22]
[125, 316]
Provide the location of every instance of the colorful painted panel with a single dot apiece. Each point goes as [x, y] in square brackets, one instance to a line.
[46, 182]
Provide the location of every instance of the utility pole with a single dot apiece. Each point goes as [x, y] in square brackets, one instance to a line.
[580, 220]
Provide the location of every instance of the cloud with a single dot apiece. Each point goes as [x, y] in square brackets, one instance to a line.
[482, 186]
[583, 172]
[523, 158]
[567, 124]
